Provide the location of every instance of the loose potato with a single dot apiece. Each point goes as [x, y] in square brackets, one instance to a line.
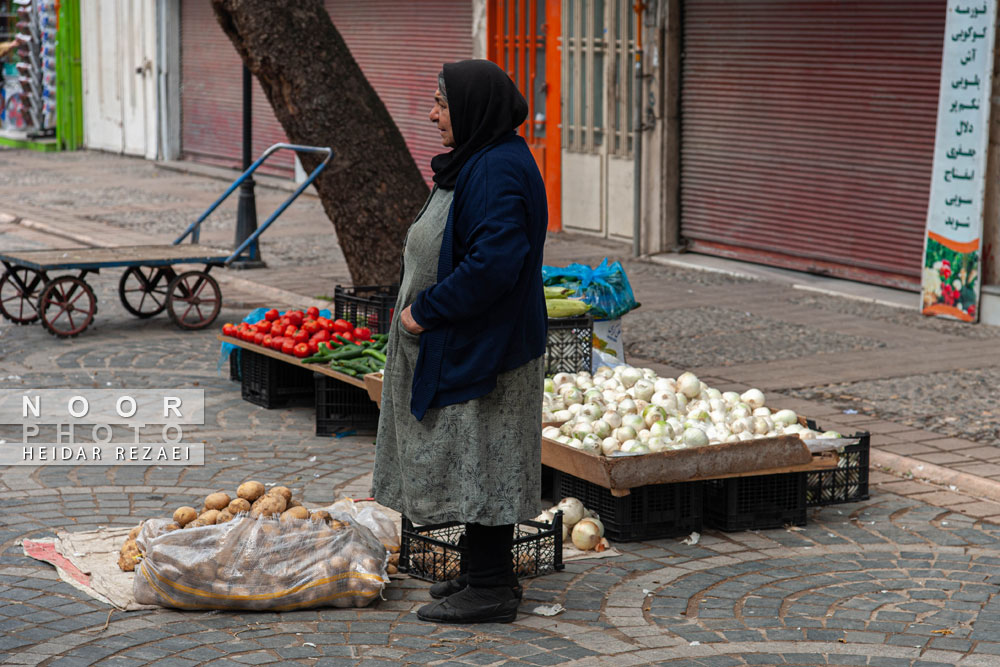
[216, 501]
[224, 516]
[267, 505]
[320, 516]
[197, 523]
[295, 513]
[391, 569]
[238, 505]
[294, 503]
[250, 490]
[134, 533]
[209, 517]
[128, 556]
[283, 491]
[170, 527]
[185, 515]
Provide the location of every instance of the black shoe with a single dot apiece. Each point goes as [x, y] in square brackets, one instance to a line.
[443, 589]
[473, 605]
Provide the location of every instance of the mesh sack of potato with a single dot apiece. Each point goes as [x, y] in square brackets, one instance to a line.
[370, 516]
[262, 563]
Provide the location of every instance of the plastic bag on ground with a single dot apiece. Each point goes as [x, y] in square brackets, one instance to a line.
[261, 564]
[605, 288]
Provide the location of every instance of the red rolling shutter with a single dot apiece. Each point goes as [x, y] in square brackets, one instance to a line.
[212, 98]
[400, 47]
[808, 132]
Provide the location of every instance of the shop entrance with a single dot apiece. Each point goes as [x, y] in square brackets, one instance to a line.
[598, 54]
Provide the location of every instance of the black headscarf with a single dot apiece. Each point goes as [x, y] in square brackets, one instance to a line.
[485, 107]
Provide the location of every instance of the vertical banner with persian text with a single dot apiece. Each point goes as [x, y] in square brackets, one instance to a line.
[951, 273]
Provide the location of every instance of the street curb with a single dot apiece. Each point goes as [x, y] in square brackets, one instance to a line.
[275, 294]
[963, 481]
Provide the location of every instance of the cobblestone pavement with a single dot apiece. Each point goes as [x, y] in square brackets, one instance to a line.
[907, 578]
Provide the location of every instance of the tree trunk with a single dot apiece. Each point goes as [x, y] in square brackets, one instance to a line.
[372, 189]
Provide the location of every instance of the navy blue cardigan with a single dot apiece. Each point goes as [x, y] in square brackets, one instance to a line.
[486, 313]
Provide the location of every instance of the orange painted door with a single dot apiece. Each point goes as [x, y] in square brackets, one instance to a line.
[523, 38]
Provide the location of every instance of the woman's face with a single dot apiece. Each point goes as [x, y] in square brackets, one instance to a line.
[441, 116]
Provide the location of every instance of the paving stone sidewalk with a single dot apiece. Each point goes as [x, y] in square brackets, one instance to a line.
[907, 578]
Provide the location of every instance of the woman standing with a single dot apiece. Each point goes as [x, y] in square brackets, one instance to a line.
[460, 429]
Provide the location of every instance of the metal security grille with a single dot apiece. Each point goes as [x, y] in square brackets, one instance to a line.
[519, 48]
[808, 132]
[598, 47]
[523, 39]
[621, 50]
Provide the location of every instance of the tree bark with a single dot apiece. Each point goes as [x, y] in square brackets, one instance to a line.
[372, 188]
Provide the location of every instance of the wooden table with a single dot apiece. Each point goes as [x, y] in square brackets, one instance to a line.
[619, 474]
[295, 361]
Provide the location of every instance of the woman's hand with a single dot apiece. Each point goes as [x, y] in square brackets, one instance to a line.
[410, 324]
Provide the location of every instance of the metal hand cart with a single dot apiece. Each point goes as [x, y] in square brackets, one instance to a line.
[66, 304]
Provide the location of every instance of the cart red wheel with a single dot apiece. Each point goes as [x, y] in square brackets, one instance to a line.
[19, 290]
[193, 300]
[143, 289]
[67, 306]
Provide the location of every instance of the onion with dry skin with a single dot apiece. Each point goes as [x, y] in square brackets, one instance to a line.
[586, 535]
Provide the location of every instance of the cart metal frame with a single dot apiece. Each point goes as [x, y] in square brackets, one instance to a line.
[66, 304]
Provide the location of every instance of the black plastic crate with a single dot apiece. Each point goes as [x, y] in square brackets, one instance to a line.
[272, 383]
[569, 347]
[343, 407]
[755, 503]
[848, 482]
[234, 364]
[646, 513]
[437, 552]
[366, 305]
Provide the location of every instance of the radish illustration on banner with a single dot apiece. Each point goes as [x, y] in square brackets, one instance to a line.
[952, 269]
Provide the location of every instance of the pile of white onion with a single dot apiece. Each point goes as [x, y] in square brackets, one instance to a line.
[629, 410]
[578, 523]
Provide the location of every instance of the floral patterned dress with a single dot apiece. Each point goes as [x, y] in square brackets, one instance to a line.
[477, 461]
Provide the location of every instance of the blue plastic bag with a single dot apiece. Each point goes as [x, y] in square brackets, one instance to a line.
[605, 288]
[255, 315]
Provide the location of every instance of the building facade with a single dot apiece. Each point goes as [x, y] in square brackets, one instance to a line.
[797, 134]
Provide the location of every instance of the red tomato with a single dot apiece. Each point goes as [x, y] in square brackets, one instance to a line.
[267, 340]
[342, 326]
[288, 346]
[276, 328]
[300, 336]
[295, 317]
[258, 338]
[290, 330]
[312, 346]
[229, 329]
[347, 335]
[310, 327]
[272, 315]
[362, 333]
[244, 334]
[323, 323]
[312, 311]
[276, 342]
[301, 350]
